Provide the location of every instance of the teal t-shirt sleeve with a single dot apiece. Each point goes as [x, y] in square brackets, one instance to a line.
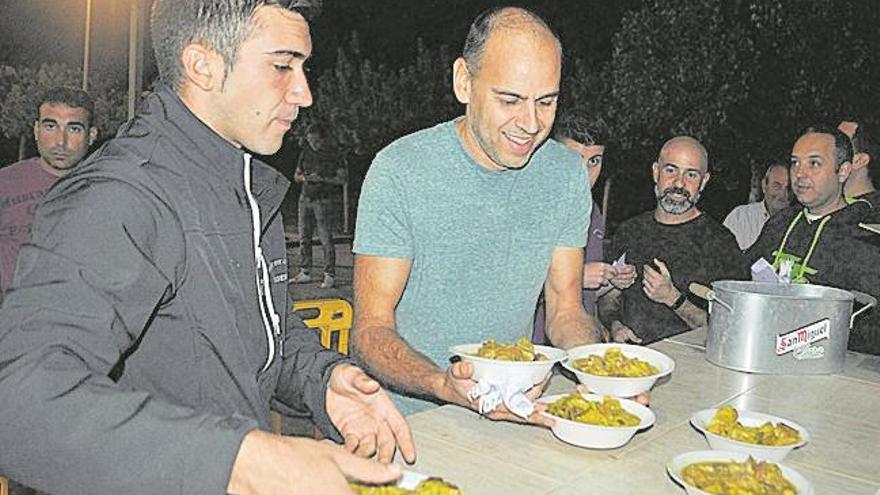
[576, 228]
[383, 227]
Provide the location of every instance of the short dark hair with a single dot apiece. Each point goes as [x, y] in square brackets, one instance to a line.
[843, 148]
[222, 25]
[864, 141]
[580, 128]
[72, 97]
[485, 24]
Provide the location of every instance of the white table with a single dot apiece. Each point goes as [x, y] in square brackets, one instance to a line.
[841, 412]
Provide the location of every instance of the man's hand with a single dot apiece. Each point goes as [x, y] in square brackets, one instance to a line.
[623, 334]
[269, 464]
[458, 381]
[624, 277]
[365, 416]
[658, 285]
[598, 274]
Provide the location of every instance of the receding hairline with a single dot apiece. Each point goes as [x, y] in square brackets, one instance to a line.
[514, 20]
[773, 165]
[688, 142]
[518, 20]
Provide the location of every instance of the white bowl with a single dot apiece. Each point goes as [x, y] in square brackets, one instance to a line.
[701, 419]
[619, 386]
[594, 436]
[679, 462]
[410, 480]
[515, 371]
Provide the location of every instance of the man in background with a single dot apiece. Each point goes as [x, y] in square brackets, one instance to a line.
[820, 238]
[321, 171]
[746, 221]
[671, 246]
[63, 131]
[582, 136]
[865, 154]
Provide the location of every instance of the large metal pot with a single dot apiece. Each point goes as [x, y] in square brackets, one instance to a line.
[779, 328]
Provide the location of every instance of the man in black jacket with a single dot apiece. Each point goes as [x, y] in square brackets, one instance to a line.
[820, 238]
[147, 336]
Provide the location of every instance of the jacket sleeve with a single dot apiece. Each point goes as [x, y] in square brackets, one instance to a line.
[104, 256]
[305, 374]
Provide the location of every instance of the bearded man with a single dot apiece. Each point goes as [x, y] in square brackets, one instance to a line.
[671, 246]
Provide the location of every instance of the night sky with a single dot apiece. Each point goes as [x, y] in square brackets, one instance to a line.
[51, 31]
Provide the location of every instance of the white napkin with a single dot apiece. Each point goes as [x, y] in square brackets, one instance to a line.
[510, 391]
[762, 271]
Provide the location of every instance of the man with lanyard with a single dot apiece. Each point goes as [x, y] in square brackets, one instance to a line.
[820, 242]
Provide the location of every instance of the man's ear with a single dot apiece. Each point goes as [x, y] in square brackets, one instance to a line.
[36, 127]
[93, 135]
[860, 161]
[705, 181]
[655, 171]
[202, 67]
[461, 81]
[844, 171]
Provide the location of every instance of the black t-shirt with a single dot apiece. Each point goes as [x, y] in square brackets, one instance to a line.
[321, 163]
[700, 250]
[872, 197]
[845, 257]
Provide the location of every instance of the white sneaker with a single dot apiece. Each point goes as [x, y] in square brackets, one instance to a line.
[301, 278]
[328, 282]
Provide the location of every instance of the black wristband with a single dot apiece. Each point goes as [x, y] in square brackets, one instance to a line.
[679, 302]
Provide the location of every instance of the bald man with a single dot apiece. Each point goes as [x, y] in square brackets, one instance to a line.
[671, 246]
[459, 226]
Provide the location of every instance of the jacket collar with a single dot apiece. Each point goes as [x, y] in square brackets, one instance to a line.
[213, 154]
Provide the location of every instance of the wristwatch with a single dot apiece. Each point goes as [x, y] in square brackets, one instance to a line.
[679, 302]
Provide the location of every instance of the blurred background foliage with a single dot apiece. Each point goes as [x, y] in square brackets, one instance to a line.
[743, 76]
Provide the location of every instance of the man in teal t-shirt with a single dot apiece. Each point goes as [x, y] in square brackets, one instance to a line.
[461, 225]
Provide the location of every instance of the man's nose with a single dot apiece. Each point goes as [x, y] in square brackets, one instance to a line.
[300, 94]
[528, 119]
[678, 181]
[65, 140]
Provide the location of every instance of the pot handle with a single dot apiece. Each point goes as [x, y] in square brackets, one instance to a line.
[869, 302]
[708, 294]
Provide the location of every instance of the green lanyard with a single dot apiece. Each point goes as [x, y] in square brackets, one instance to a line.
[800, 267]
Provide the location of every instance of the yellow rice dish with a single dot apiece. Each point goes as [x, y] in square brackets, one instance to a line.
[430, 486]
[738, 478]
[614, 363]
[609, 412]
[521, 350]
[725, 423]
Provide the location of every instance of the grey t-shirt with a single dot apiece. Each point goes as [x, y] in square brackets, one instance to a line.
[480, 241]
